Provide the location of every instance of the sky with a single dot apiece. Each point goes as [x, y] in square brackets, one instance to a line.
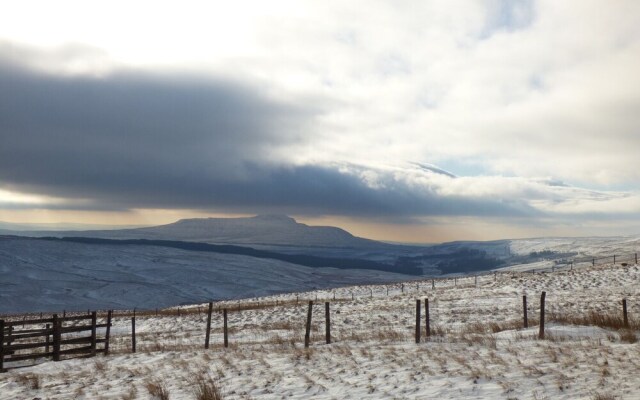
[414, 121]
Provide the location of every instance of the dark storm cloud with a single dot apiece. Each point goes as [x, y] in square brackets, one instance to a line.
[133, 140]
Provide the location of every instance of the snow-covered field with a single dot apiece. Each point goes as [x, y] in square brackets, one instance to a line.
[39, 275]
[478, 349]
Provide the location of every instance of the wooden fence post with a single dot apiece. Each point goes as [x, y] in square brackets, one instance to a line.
[47, 327]
[593, 262]
[418, 321]
[208, 334]
[524, 311]
[225, 330]
[9, 339]
[433, 283]
[133, 334]
[476, 280]
[624, 313]
[327, 320]
[542, 297]
[108, 333]
[94, 321]
[1, 345]
[428, 322]
[307, 335]
[56, 337]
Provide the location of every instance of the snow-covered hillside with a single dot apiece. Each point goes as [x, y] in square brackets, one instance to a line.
[41, 275]
[478, 348]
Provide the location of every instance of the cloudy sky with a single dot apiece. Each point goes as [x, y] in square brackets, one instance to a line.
[415, 121]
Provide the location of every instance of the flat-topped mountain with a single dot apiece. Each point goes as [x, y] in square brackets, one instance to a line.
[259, 230]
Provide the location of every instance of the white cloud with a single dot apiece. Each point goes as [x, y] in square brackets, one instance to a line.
[521, 90]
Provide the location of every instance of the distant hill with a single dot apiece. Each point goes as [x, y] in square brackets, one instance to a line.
[279, 230]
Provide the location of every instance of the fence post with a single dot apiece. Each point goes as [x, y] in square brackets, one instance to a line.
[327, 319]
[624, 313]
[47, 327]
[56, 337]
[9, 339]
[418, 321]
[94, 321]
[593, 262]
[428, 322]
[108, 333]
[307, 335]
[542, 297]
[524, 311]
[224, 328]
[433, 283]
[208, 334]
[402, 288]
[1, 345]
[133, 334]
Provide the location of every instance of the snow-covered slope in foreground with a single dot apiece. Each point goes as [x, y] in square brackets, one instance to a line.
[478, 349]
[40, 275]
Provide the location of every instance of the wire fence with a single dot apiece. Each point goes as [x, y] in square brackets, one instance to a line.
[486, 308]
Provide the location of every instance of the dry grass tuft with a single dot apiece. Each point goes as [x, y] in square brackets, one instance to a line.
[31, 381]
[594, 318]
[628, 336]
[602, 396]
[158, 390]
[205, 388]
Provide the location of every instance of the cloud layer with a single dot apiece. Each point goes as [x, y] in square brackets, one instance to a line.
[322, 109]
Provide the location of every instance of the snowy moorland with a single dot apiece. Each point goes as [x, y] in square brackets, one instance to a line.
[477, 350]
[40, 275]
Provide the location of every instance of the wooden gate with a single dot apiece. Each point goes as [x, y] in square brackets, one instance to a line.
[51, 338]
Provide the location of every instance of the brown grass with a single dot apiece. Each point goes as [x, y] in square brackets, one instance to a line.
[628, 336]
[205, 388]
[31, 381]
[602, 396]
[594, 318]
[157, 389]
